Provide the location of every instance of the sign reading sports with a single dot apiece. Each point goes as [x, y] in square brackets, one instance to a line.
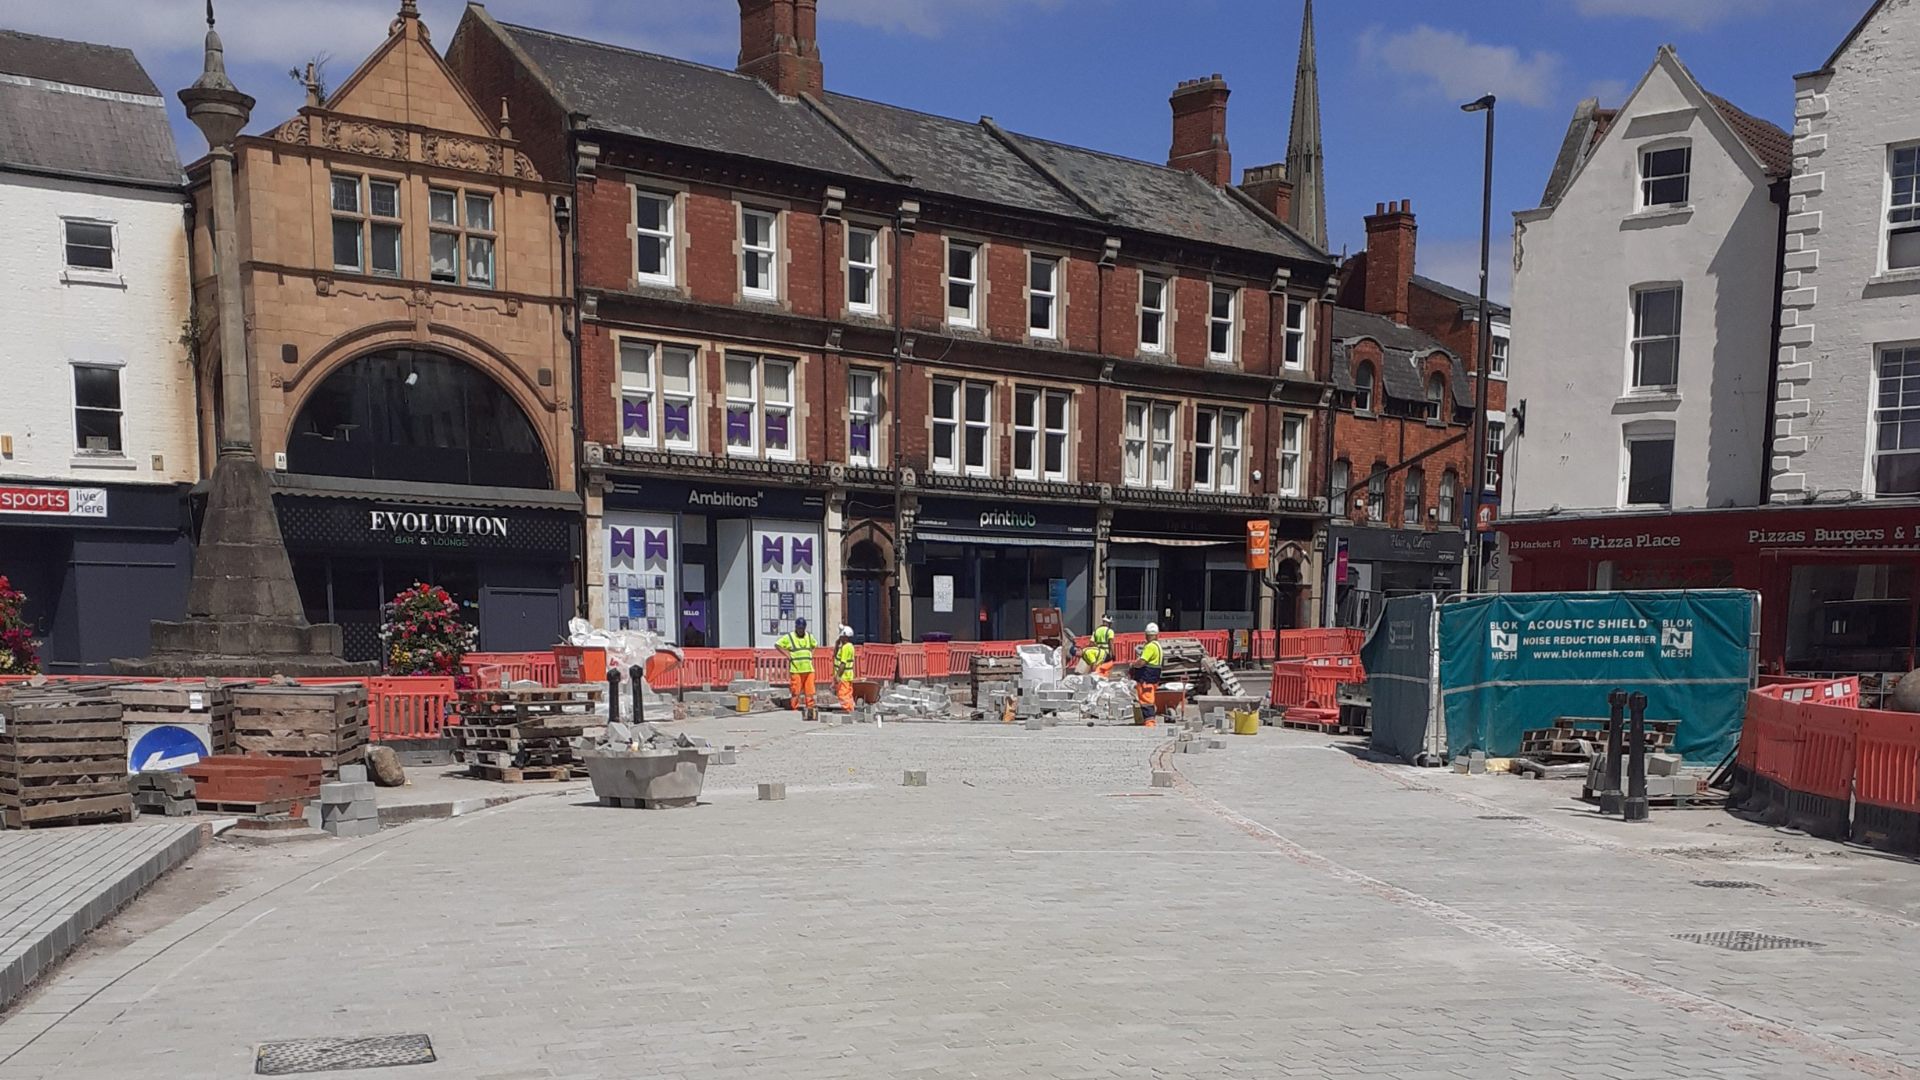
[65, 502]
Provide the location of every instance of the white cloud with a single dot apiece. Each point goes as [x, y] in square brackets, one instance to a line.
[1450, 64]
[1688, 14]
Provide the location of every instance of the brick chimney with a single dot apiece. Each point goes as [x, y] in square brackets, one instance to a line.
[1268, 185]
[1390, 246]
[1200, 130]
[777, 45]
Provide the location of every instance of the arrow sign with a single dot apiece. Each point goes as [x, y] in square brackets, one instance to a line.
[166, 749]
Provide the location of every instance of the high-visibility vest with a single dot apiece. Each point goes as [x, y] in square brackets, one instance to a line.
[799, 649]
[1094, 655]
[1150, 654]
[1103, 637]
[843, 663]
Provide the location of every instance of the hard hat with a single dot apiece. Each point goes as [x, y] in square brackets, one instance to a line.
[1106, 620]
[1153, 629]
[846, 631]
[800, 623]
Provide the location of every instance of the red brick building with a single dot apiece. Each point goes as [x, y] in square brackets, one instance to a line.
[845, 360]
[1403, 359]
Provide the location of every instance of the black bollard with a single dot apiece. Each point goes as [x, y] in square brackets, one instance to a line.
[1635, 807]
[613, 695]
[1610, 796]
[639, 678]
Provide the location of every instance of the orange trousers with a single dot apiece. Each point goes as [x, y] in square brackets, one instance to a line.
[801, 686]
[843, 689]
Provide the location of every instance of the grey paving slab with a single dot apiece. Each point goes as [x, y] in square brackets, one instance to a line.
[57, 884]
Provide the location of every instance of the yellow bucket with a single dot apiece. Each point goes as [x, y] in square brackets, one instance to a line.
[1246, 723]
[745, 704]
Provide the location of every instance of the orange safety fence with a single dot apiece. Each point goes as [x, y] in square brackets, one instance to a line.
[731, 664]
[938, 660]
[409, 706]
[911, 661]
[771, 666]
[1305, 685]
[1320, 642]
[1825, 758]
[540, 667]
[960, 656]
[874, 662]
[1889, 761]
[1003, 649]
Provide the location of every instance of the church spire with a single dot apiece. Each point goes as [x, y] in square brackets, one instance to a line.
[1304, 157]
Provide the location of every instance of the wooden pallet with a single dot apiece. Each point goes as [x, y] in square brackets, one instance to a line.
[248, 809]
[503, 759]
[63, 758]
[186, 702]
[527, 704]
[512, 775]
[324, 722]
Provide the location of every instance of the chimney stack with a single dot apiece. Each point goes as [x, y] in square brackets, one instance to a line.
[1268, 185]
[1200, 130]
[1390, 250]
[777, 45]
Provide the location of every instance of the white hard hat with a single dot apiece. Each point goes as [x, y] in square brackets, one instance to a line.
[846, 631]
[1106, 619]
[1153, 628]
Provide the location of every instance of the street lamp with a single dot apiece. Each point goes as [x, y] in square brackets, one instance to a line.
[1477, 467]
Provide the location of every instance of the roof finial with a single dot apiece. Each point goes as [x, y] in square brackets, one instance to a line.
[214, 76]
[506, 122]
[209, 14]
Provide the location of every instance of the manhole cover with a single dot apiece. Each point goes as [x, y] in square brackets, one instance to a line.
[324, 1055]
[1746, 941]
[1502, 817]
[1729, 885]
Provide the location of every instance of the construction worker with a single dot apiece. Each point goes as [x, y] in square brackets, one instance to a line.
[1097, 657]
[1103, 637]
[1146, 671]
[799, 646]
[843, 669]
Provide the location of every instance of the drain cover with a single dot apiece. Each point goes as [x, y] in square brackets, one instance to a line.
[1502, 817]
[1746, 941]
[325, 1055]
[1728, 885]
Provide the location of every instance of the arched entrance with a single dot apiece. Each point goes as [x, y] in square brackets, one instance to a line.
[866, 577]
[1286, 594]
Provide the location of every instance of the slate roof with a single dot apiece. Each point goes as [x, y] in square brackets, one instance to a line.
[1462, 297]
[1589, 123]
[1402, 347]
[89, 111]
[707, 108]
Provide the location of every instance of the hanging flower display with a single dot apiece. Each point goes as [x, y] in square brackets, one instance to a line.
[18, 655]
[423, 633]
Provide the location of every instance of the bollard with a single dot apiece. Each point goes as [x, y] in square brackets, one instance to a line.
[637, 680]
[1635, 807]
[1610, 797]
[613, 695]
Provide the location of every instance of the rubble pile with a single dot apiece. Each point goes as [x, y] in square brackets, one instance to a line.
[624, 736]
[914, 701]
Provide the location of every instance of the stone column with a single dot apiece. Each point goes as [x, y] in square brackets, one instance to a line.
[1102, 529]
[833, 576]
[236, 434]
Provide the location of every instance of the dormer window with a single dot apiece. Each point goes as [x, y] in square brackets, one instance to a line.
[1664, 175]
[1436, 397]
[1363, 388]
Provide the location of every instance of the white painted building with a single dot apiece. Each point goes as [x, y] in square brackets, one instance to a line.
[97, 435]
[1848, 418]
[1643, 300]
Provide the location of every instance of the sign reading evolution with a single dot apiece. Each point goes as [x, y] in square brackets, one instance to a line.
[314, 523]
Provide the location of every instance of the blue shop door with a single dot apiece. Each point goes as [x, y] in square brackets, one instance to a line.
[521, 620]
[863, 607]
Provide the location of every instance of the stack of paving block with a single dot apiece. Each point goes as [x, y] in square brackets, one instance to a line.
[255, 785]
[63, 757]
[170, 794]
[1225, 679]
[520, 734]
[991, 679]
[347, 807]
[204, 708]
[327, 723]
[1183, 660]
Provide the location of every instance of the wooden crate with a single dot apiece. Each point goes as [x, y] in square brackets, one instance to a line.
[324, 722]
[516, 752]
[63, 758]
[990, 670]
[208, 702]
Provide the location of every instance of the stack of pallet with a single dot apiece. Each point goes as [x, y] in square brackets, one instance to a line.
[519, 734]
[63, 757]
[999, 675]
[204, 709]
[1575, 739]
[328, 723]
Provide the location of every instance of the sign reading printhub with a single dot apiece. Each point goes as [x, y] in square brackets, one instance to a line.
[1516, 662]
[63, 502]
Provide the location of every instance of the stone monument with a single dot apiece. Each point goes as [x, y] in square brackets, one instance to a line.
[244, 616]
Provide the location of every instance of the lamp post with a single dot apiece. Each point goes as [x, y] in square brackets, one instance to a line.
[1477, 467]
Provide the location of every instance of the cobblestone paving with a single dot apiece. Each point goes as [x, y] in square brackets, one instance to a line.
[1037, 911]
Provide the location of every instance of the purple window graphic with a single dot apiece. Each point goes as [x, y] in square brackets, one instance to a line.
[860, 436]
[621, 544]
[776, 431]
[802, 555]
[634, 412]
[679, 422]
[739, 427]
[773, 551]
[656, 546]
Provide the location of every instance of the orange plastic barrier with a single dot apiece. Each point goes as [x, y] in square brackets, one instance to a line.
[409, 706]
[1215, 642]
[938, 659]
[960, 656]
[874, 662]
[771, 665]
[731, 664]
[1889, 761]
[1819, 797]
[541, 667]
[1297, 685]
[911, 661]
[1264, 644]
[1319, 642]
[1004, 649]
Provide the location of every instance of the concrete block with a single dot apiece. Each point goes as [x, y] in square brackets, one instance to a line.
[772, 792]
[1193, 746]
[353, 774]
[1216, 744]
[915, 778]
[1162, 778]
[354, 811]
[346, 792]
[348, 829]
[1663, 764]
[729, 756]
[1035, 723]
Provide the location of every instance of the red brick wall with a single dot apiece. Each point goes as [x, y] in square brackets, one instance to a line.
[1083, 282]
[1006, 307]
[484, 65]
[1394, 439]
[1191, 299]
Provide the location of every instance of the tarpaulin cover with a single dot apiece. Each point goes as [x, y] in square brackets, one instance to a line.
[1399, 662]
[1516, 662]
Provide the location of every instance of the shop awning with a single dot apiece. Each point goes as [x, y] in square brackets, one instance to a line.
[1003, 541]
[1172, 541]
[304, 484]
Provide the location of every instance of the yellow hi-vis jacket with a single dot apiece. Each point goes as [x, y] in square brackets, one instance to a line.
[843, 663]
[799, 649]
[1103, 639]
[1150, 653]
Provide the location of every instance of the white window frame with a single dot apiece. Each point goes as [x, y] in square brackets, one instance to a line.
[983, 425]
[1050, 296]
[1899, 414]
[1292, 440]
[1903, 206]
[1050, 434]
[1648, 180]
[734, 402]
[664, 236]
[760, 406]
[1637, 339]
[1630, 437]
[1293, 355]
[967, 318]
[1133, 442]
[356, 215]
[1499, 347]
[1158, 311]
[1159, 444]
[1231, 321]
[1363, 392]
[1377, 506]
[655, 357]
[950, 422]
[856, 377]
[118, 413]
[750, 253]
[113, 246]
[1337, 483]
[1436, 405]
[870, 268]
[1496, 447]
[690, 397]
[645, 384]
[1413, 498]
[960, 426]
[465, 236]
[1447, 499]
[1206, 439]
[1026, 432]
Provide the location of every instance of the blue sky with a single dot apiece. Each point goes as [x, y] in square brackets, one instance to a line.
[1098, 72]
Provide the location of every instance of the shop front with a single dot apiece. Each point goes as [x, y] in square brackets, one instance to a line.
[507, 560]
[1370, 566]
[98, 564]
[1186, 571]
[979, 569]
[709, 565]
[1837, 583]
